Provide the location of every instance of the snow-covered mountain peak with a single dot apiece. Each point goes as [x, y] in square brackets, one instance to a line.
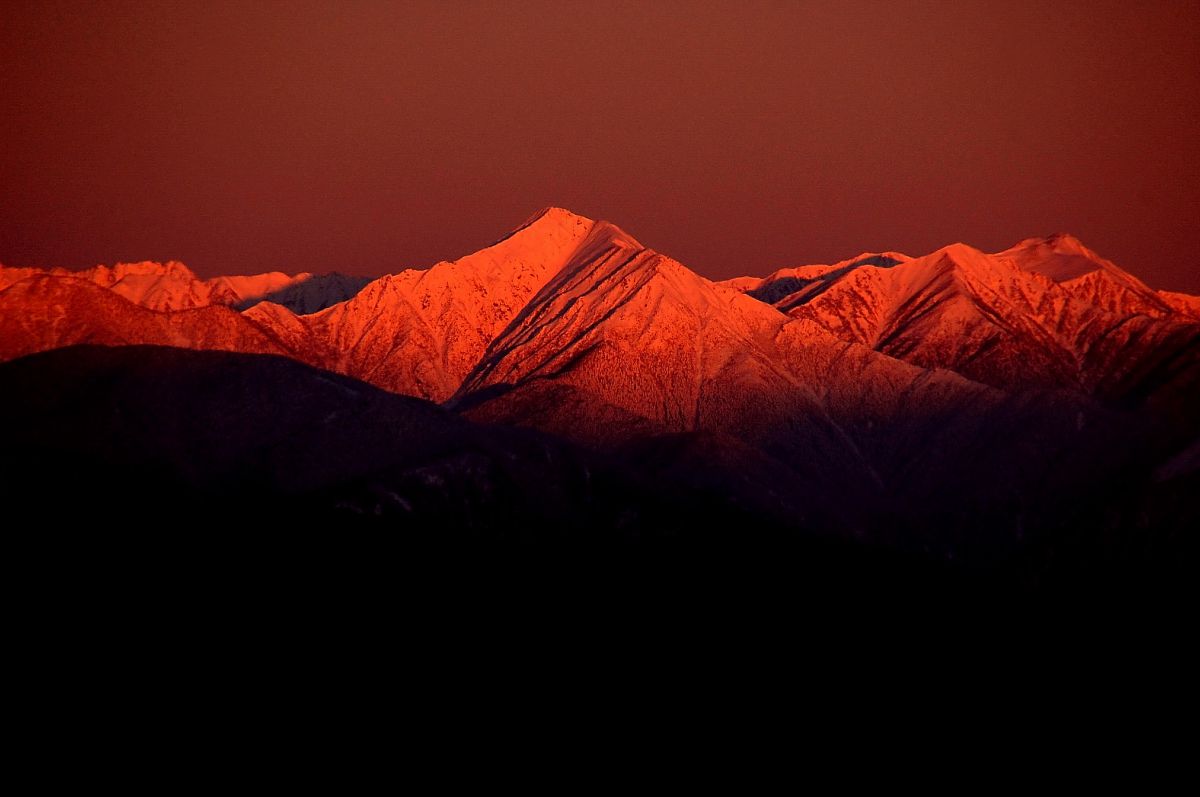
[877, 259]
[552, 214]
[1064, 241]
[1060, 242]
[957, 253]
[549, 221]
[110, 275]
[546, 232]
[1061, 257]
[547, 237]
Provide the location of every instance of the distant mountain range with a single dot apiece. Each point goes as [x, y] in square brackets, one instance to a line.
[172, 286]
[1038, 405]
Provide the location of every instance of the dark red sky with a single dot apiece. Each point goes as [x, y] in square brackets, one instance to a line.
[737, 137]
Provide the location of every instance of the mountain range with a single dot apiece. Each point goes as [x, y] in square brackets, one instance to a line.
[1037, 405]
[173, 286]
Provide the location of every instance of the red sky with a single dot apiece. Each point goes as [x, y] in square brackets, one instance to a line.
[737, 137]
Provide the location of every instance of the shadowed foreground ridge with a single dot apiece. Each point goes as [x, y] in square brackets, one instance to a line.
[1022, 419]
[262, 458]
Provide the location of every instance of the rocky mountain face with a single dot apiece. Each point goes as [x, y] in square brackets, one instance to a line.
[1045, 313]
[420, 332]
[959, 404]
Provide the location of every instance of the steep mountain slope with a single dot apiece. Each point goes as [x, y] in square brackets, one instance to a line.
[642, 334]
[420, 332]
[645, 338]
[1182, 303]
[1087, 277]
[804, 282]
[627, 345]
[1045, 313]
[416, 332]
[173, 286]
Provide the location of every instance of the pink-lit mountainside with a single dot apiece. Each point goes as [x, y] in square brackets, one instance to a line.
[1034, 411]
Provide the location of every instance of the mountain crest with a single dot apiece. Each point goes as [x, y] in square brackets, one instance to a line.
[1062, 257]
[1062, 242]
[547, 221]
[960, 254]
[551, 224]
[554, 214]
[145, 268]
[564, 294]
